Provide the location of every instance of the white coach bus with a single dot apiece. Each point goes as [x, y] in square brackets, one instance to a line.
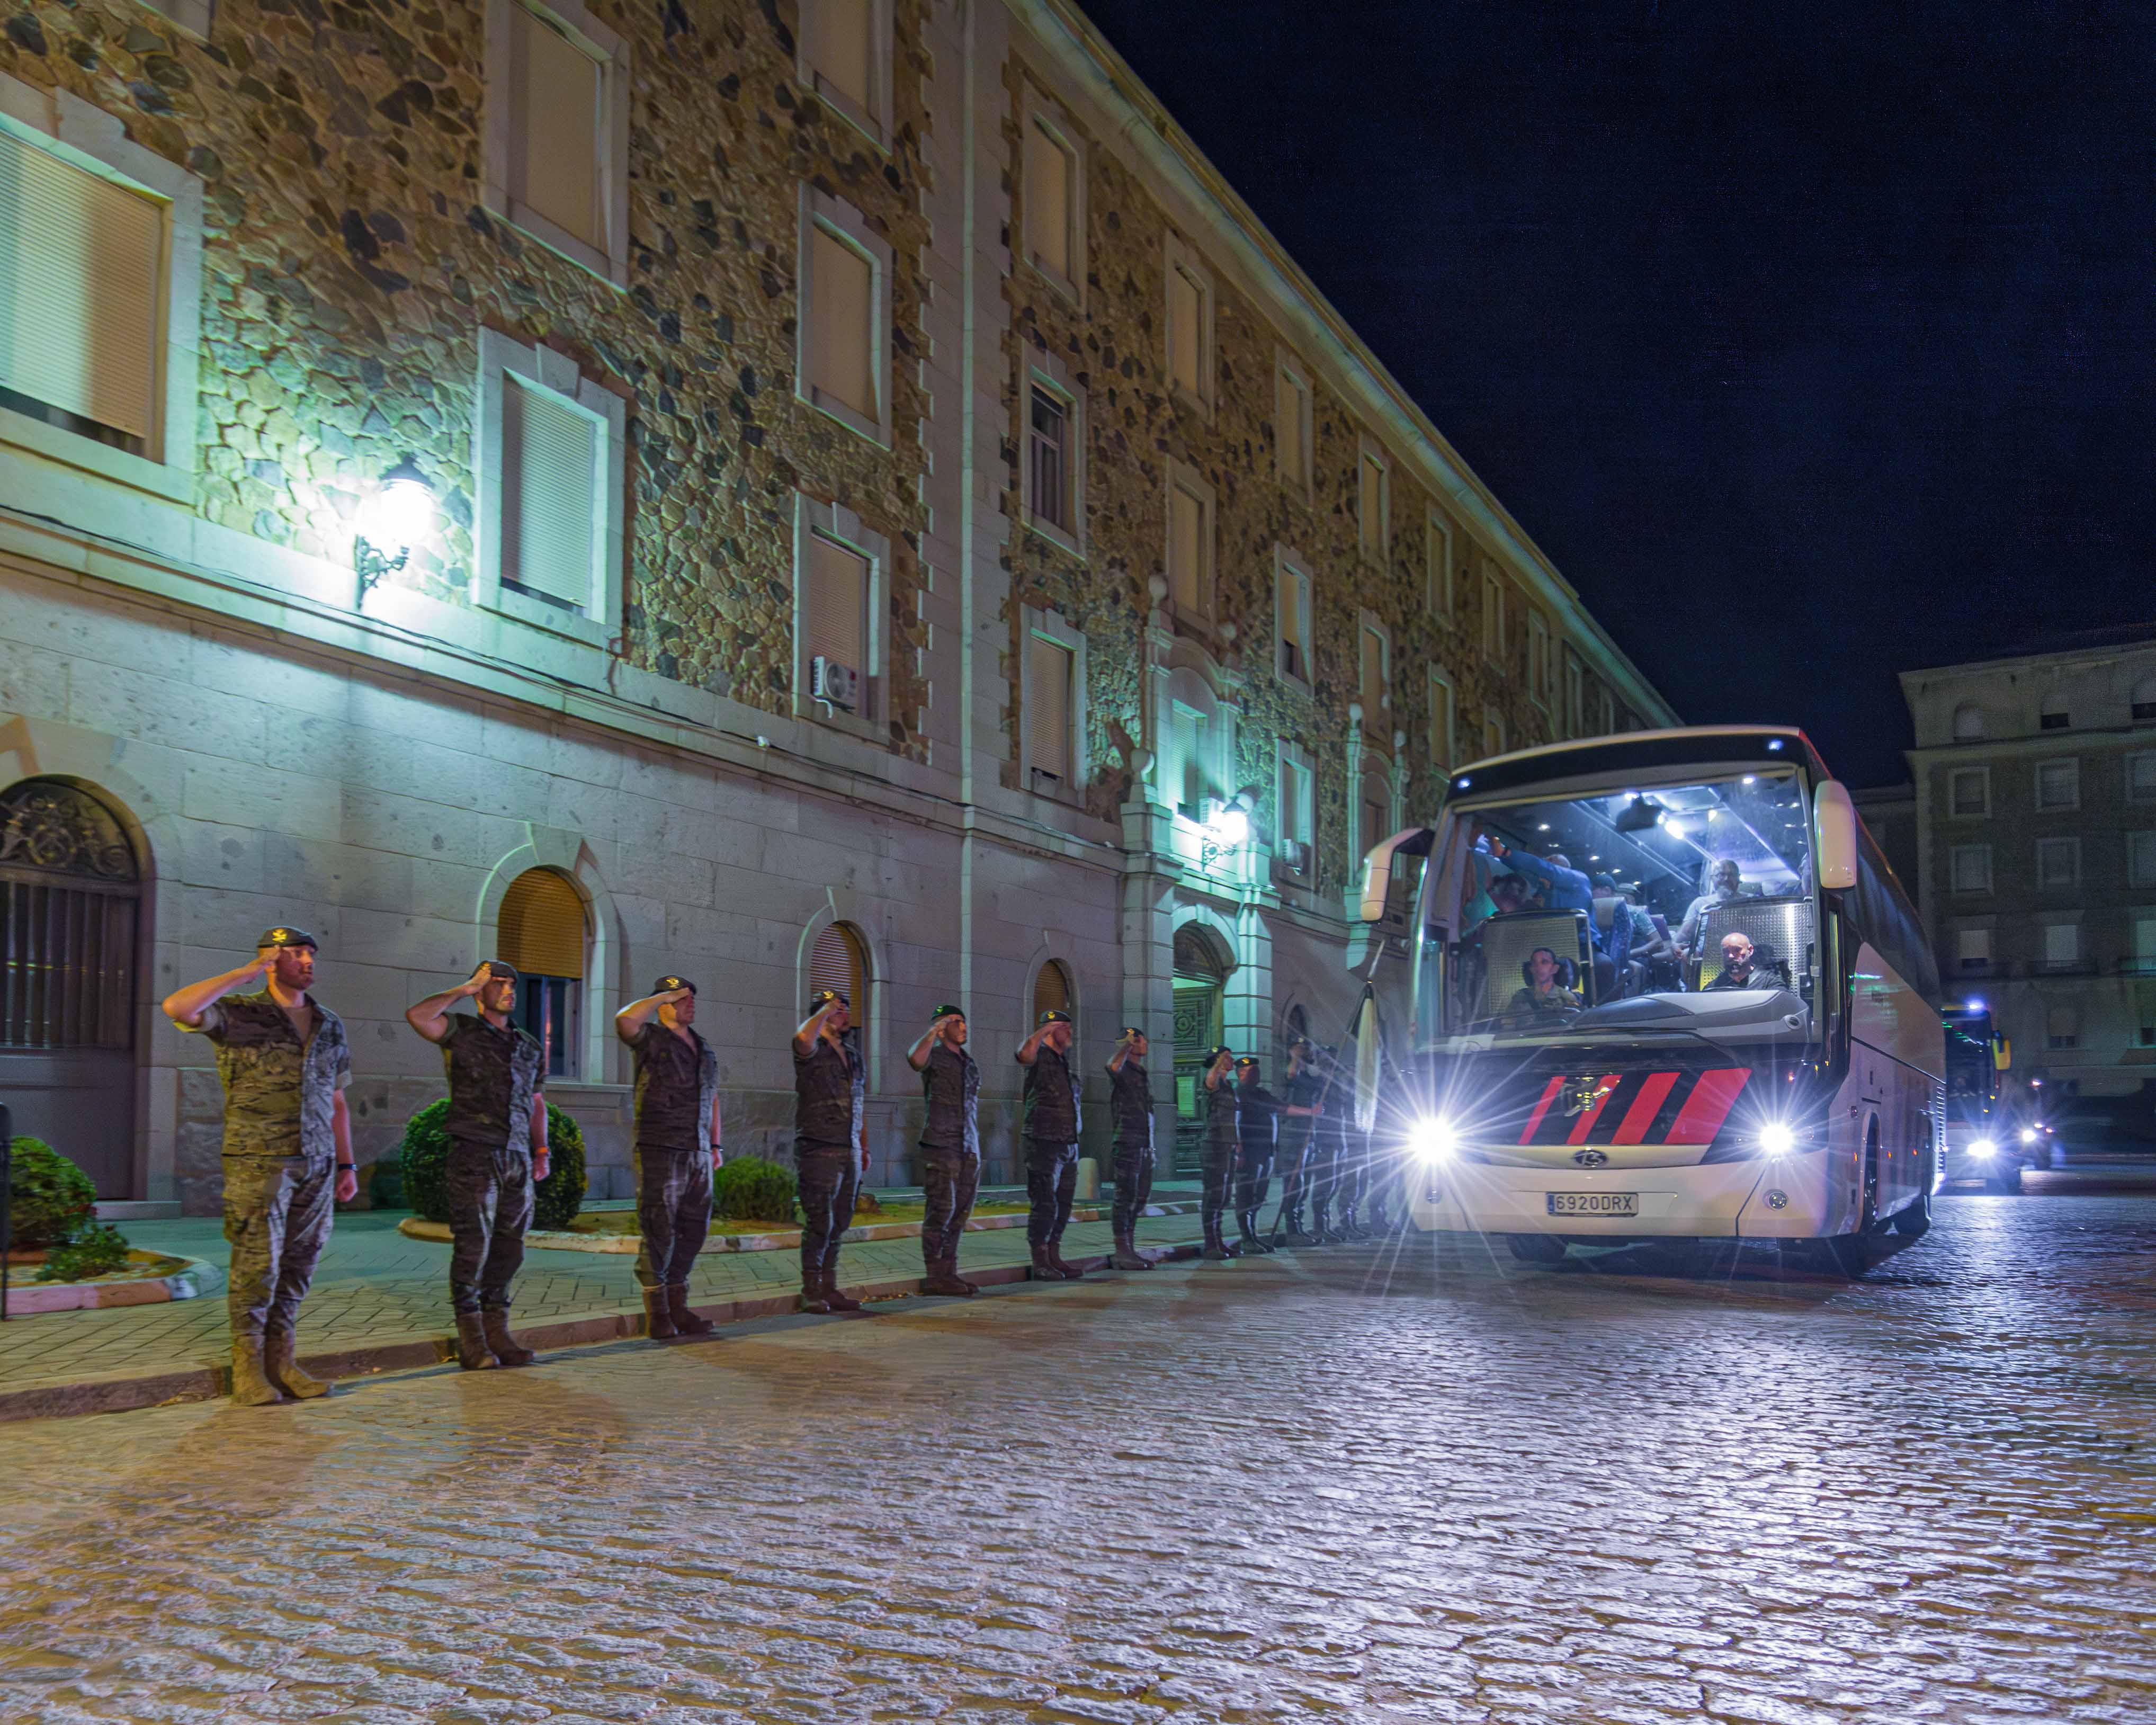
[1667, 988]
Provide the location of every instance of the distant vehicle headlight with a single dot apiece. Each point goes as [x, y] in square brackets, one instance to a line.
[1983, 1149]
[1777, 1140]
[2028, 1134]
[1433, 1141]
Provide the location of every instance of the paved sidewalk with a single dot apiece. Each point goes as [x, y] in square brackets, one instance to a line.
[381, 1302]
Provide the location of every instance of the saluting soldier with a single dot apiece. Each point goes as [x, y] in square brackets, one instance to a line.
[1304, 1089]
[284, 1063]
[1130, 1104]
[498, 1152]
[1222, 1146]
[1325, 1145]
[950, 1147]
[831, 1143]
[1257, 1130]
[1051, 1142]
[677, 1149]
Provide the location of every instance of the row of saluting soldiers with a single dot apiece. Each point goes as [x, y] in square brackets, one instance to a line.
[285, 1065]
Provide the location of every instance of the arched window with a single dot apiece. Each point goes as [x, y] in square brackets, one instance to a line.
[1051, 989]
[2144, 701]
[2055, 715]
[1968, 722]
[840, 960]
[543, 931]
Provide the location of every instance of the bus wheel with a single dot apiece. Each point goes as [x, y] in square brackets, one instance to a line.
[1917, 1219]
[1851, 1254]
[1535, 1248]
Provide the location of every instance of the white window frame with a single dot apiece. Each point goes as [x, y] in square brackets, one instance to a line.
[847, 226]
[1180, 256]
[1967, 962]
[2072, 925]
[1373, 453]
[2036, 785]
[1293, 393]
[1182, 473]
[1975, 734]
[85, 136]
[1045, 371]
[836, 522]
[1044, 117]
[1289, 564]
[1493, 617]
[2134, 761]
[2141, 859]
[1438, 574]
[1293, 757]
[1189, 691]
[873, 122]
[1973, 853]
[1445, 746]
[1052, 627]
[500, 357]
[1377, 726]
[1982, 773]
[2070, 848]
[609, 262]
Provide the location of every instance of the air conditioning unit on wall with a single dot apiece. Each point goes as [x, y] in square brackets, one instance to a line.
[840, 685]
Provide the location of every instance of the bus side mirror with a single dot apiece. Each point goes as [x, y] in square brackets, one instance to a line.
[1389, 879]
[1834, 817]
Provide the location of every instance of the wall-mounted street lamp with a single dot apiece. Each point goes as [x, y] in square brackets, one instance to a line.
[1229, 828]
[399, 515]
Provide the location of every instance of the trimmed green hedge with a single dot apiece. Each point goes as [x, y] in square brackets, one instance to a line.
[424, 1160]
[50, 1200]
[747, 1189]
[96, 1251]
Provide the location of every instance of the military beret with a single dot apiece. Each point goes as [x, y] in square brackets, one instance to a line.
[1246, 1060]
[500, 970]
[281, 937]
[823, 997]
[1130, 1030]
[948, 1011]
[1055, 1015]
[668, 984]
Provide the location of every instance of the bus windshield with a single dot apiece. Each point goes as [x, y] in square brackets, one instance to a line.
[1684, 906]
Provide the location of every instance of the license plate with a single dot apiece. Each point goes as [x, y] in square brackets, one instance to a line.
[1593, 1204]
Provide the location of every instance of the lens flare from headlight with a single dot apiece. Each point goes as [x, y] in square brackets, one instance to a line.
[1983, 1149]
[1433, 1141]
[1777, 1140]
[2028, 1134]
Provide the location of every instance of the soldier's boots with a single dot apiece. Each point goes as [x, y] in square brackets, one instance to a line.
[1216, 1248]
[943, 1278]
[282, 1370]
[1321, 1224]
[657, 1319]
[1350, 1229]
[1128, 1256]
[473, 1353]
[250, 1387]
[1069, 1271]
[684, 1318]
[1043, 1269]
[838, 1301]
[505, 1347]
[1295, 1235]
[1246, 1224]
[813, 1297]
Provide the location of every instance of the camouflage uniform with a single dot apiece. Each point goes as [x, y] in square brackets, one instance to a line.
[1218, 1170]
[950, 1153]
[1325, 1150]
[280, 1152]
[493, 1075]
[676, 1083]
[1051, 1146]
[1257, 1128]
[1303, 1090]
[1130, 1104]
[830, 1094]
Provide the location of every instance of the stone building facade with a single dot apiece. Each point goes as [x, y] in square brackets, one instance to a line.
[884, 498]
[2035, 795]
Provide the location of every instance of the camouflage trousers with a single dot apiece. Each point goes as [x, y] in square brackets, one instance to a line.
[949, 1178]
[277, 1216]
[828, 1177]
[1133, 1185]
[1051, 1183]
[489, 1189]
[1321, 1175]
[673, 1213]
[1253, 1183]
[1217, 1177]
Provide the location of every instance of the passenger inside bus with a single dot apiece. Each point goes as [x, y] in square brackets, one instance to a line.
[1745, 966]
[1727, 887]
[1546, 977]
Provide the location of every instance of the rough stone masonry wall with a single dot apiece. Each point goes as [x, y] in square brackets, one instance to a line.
[1115, 351]
[348, 269]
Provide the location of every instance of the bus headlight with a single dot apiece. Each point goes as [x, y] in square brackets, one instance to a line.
[1777, 1140]
[1431, 1141]
[1983, 1149]
[2028, 1134]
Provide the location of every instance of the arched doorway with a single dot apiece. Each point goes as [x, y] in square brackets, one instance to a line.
[1202, 964]
[70, 908]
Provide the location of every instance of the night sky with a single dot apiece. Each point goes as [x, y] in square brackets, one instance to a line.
[1812, 343]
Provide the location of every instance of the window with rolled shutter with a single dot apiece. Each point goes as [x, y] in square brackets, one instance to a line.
[837, 604]
[82, 265]
[559, 93]
[842, 318]
[837, 961]
[1374, 684]
[1051, 989]
[838, 39]
[1291, 602]
[541, 925]
[1185, 548]
[1186, 311]
[1375, 529]
[550, 475]
[1048, 709]
[1048, 176]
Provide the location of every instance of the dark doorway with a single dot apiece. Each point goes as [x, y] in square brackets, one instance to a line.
[1201, 973]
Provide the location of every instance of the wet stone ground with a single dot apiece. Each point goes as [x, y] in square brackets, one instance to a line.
[1349, 1484]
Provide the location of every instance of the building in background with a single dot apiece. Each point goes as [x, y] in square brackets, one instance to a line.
[2033, 781]
[822, 491]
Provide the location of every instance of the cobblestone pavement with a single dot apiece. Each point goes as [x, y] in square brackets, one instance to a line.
[1339, 1485]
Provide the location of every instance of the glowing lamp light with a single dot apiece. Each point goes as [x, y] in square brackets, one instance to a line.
[1983, 1149]
[1432, 1141]
[1976, 1006]
[1231, 827]
[1775, 746]
[399, 515]
[1777, 1140]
